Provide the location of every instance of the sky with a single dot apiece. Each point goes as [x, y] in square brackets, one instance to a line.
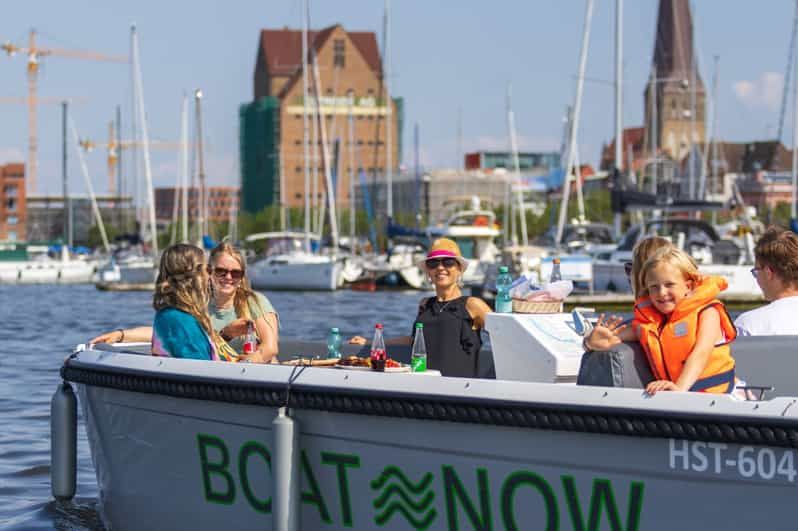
[449, 59]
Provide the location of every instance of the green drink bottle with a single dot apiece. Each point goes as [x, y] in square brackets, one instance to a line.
[418, 356]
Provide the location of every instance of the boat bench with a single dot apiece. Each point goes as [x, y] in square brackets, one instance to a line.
[763, 361]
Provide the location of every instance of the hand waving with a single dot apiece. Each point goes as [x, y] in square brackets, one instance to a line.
[605, 333]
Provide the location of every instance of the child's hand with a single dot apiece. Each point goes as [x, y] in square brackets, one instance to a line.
[605, 334]
[661, 385]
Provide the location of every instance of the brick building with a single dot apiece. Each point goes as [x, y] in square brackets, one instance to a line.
[350, 92]
[221, 200]
[13, 205]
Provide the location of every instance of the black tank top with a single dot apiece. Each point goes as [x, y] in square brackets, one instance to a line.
[452, 343]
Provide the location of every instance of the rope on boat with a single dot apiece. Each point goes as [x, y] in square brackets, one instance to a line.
[586, 419]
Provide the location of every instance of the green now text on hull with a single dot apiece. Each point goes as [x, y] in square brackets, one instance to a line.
[227, 472]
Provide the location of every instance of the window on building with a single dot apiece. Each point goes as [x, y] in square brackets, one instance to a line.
[298, 195]
[12, 220]
[297, 142]
[339, 53]
[298, 169]
[11, 236]
[10, 191]
[11, 204]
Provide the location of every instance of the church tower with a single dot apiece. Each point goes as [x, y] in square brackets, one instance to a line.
[675, 90]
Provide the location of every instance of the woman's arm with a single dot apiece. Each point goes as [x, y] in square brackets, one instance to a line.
[708, 332]
[140, 334]
[266, 326]
[398, 340]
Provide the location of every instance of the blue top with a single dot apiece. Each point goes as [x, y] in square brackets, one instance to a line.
[178, 334]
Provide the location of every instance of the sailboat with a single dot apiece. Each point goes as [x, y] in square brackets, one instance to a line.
[290, 261]
[132, 268]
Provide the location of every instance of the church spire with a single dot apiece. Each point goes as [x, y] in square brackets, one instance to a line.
[673, 45]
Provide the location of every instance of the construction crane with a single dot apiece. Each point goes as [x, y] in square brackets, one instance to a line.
[114, 147]
[34, 53]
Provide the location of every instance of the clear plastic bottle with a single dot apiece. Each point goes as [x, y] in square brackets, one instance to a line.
[334, 343]
[418, 356]
[378, 354]
[555, 271]
[504, 304]
[251, 340]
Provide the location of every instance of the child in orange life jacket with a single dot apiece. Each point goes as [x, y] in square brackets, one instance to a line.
[684, 330]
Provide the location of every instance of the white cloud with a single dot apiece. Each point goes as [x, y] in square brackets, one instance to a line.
[764, 91]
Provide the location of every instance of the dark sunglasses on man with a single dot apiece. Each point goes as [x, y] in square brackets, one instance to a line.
[221, 272]
[433, 263]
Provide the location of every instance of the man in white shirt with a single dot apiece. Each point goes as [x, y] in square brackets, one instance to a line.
[776, 272]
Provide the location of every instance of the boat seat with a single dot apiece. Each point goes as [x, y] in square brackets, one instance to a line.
[768, 361]
[623, 366]
[762, 361]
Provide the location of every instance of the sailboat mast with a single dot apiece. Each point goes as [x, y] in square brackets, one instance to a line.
[325, 153]
[388, 113]
[618, 100]
[203, 191]
[67, 201]
[184, 169]
[580, 82]
[793, 207]
[516, 165]
[145, 142]
[306, 150]
[352, 202]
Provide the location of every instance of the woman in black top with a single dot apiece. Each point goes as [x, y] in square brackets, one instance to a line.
[452, 322]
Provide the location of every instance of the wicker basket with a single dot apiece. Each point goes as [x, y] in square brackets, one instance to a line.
[520, 306]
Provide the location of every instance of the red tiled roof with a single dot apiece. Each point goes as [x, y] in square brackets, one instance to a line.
[632, 136]
[283, 48]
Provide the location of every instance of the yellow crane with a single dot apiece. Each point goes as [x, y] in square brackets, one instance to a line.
[34, 53]
[114, 146]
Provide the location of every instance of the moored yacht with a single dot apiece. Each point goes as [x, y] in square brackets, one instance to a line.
[285, 264]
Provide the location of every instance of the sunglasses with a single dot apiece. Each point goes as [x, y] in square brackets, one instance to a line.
[627, 268]
[220, 272]
[433, 263]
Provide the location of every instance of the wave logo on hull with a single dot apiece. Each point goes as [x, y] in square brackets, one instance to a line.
[397, 494]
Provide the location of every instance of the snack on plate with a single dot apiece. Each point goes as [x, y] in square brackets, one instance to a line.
[392, 364]
[354, 361]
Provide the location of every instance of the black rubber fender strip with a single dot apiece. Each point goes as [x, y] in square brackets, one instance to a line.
[767, 432]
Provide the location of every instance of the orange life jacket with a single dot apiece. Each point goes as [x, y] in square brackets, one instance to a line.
[668, 340]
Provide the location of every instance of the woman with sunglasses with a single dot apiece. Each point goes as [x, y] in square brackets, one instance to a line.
[233, 305]
[452, 322]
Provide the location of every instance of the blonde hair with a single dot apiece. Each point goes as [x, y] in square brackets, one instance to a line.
[644, 249]
[244, 292]
[674, 257]
[181, 284]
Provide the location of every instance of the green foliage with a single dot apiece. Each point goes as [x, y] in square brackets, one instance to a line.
[597, 209]
[95, 238]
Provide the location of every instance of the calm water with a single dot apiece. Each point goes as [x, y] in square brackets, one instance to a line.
[40, 325]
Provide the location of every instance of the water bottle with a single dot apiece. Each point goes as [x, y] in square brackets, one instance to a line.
[418, 356]
[378, 354]
[555, 271]
[504, 304]
[250, 340]
[334, 343]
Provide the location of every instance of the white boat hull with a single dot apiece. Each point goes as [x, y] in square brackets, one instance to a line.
[277, 274]
[47, 272]
[183, 444]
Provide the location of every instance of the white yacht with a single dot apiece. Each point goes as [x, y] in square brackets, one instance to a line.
[726, 256]
[30, 264]
[475, 230]
[286, 265]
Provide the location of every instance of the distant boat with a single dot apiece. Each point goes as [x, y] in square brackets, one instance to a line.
[286, 265]
[21, 263]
